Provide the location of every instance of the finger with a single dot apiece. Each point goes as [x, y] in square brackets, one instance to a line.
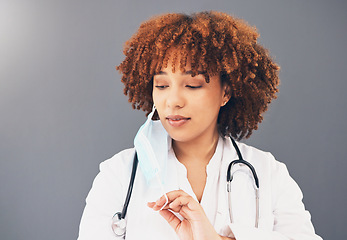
[177, 204]
[175, 194]
[171, 197]
[162, 200]
[171, 218]
[160, 204]
[151, 204]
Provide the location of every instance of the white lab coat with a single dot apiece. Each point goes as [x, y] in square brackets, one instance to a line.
[282, 213]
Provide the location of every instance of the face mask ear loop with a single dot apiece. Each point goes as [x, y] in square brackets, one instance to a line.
[166, 202]
[162, 189]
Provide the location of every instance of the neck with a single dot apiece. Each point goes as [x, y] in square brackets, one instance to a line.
[199, 150]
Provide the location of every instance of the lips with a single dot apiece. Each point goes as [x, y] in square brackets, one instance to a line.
[177, 120]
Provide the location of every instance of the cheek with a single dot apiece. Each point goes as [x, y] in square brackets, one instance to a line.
[214, 99]
[155, 98]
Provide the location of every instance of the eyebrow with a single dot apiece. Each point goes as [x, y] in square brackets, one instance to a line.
[190, 72]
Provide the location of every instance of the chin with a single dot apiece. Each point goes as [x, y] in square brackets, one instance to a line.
[182, 137]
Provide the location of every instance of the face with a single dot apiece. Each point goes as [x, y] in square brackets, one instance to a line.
[188, 107]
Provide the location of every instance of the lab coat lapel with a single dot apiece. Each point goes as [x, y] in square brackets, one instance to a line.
[222, 217]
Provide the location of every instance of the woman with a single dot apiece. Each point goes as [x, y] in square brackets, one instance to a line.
[201, 78]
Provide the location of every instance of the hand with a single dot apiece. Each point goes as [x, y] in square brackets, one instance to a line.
[194, 226]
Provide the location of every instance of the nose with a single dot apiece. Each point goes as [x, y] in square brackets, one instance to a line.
[175, 98]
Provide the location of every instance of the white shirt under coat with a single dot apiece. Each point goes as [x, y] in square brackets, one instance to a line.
[282, 213]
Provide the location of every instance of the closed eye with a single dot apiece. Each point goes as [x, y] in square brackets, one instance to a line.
[161, 86]
[193, 87]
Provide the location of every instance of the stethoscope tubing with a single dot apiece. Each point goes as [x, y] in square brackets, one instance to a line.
[131, 184]
[118, 219]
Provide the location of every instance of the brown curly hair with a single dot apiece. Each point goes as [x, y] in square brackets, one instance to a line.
[215, 43]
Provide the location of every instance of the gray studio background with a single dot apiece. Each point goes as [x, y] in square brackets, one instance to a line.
[62, 110]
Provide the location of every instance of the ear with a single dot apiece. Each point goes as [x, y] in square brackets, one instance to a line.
[226, 95]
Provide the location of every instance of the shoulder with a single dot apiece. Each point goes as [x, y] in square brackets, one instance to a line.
[263, 161]
[120, 164]
[121, 158]
[254, 153]
[272, 173]
[114, 174]
[249, 153]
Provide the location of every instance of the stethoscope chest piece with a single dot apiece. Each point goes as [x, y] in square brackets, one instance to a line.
[118, 224]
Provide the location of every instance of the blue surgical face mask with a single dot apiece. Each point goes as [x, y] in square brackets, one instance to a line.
[151, 144]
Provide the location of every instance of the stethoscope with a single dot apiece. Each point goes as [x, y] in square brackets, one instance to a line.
[119, 221]
[230, 174]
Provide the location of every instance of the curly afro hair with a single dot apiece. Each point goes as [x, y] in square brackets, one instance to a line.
[214, 43]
